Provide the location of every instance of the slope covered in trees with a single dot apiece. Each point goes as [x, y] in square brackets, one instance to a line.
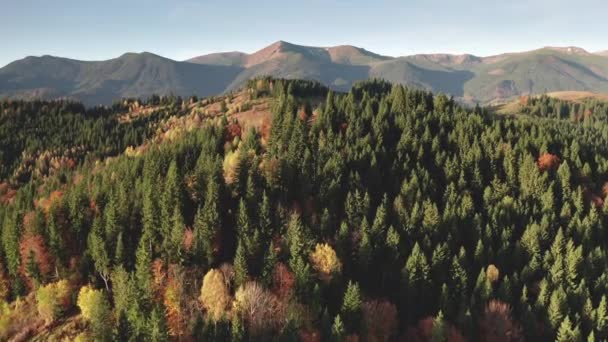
[381, 213]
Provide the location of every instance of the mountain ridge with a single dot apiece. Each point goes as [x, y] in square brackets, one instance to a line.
[470, 78]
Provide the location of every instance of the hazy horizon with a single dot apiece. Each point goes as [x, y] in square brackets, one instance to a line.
[183, 29]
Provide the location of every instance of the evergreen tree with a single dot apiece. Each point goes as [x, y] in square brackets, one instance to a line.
[351, 307]
[98, 250]
[241, 270]
[568, 333]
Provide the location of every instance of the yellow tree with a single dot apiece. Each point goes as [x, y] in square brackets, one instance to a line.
[214, 294]
[53, 300]
[96, 309]
[325, 261]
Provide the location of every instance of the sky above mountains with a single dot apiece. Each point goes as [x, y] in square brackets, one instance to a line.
[181, 29]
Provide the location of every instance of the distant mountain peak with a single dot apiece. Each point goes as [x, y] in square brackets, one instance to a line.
[450, 59]
[573, 50]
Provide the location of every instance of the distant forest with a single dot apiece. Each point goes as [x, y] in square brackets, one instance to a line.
[386, 213]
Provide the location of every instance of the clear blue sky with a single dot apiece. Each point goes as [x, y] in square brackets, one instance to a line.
[181, 29]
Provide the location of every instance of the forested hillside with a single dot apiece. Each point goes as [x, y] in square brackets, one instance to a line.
[381, 214]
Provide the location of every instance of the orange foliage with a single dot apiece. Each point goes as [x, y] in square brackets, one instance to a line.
[159, 276]
[265, 130]
[283, 282]
[497, 324]
[8, 197]
[343, 127]
[233, 130]
[28, 221]
[188, 239]
[47, 203]
[176, 320]
[548, 161]
[4, 187]
[523, 100]
[33, 244]
[94, 207]
[310, 336]
[605, 190]
[302, 115]
[597, 201]
[593, 198]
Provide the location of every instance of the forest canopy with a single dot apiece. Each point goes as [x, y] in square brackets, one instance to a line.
[383, 213]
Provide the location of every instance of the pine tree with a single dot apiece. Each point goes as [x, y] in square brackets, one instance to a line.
[237, 332]
[207, 223]
[241, 270]
[157, 326]
[98, 251]
[601, 319]
[150, 222]
[380, 224]
[243, 225]
[337, 330]
[112, 226]
[265, 221]
[143, 269]
[174, 241]
[568, 333]
[119, 254]
[170, 199]
[56, 241]
[557, 307]
[270, 261]
[351, 307]
[416, 273]
[10, 242]
[439, 331]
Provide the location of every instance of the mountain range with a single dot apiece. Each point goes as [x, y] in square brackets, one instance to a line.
[469, 78]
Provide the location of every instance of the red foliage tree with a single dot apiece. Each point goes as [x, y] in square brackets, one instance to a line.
[188, 239]
[33, 248]
[380, 319]
[496, 324]
[233, 130]
[284, 281]
[423, 332]
[310, 336]
[548, 161]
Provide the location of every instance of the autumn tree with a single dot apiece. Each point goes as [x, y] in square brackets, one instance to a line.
[96, 309]
[325, 261]
[53, 300]
[258, 308]
[215, 296]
